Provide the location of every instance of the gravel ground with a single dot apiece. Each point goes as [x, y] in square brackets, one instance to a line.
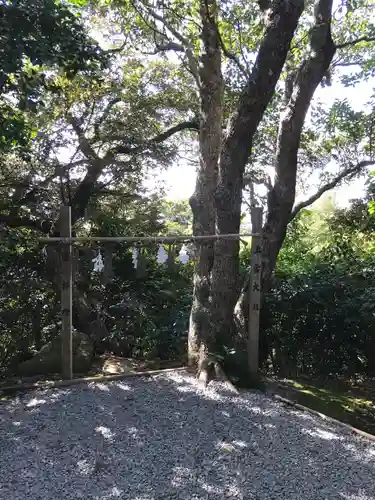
[163, 438]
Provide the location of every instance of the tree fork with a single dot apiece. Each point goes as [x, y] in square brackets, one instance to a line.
[234, 155]
[282, 195]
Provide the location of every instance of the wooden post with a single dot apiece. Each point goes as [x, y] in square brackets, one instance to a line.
[254, 291]
[66, 295]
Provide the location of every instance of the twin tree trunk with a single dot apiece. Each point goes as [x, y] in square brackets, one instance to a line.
[217, 201]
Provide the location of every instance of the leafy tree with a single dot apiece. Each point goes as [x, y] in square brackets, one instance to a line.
[38, 39]
[139, 312]
[177, 217]
[236, 72]
[243, 60]
[90, 144]
[24, 288]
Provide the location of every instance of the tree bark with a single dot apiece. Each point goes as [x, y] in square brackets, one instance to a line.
[202, 202]
[87, 317]
[282, 22]
[281, 198]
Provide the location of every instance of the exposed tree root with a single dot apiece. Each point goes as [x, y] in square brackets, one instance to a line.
[221, 375]
[210, 369]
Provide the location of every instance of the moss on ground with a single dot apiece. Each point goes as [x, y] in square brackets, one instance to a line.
[351, 403]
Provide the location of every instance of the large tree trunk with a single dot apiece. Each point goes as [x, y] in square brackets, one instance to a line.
[201, 342]
[281, 198]
[274, 48]
[87, 314]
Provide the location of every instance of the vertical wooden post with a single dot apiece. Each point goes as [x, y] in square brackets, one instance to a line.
[66, 295]
[254, 291]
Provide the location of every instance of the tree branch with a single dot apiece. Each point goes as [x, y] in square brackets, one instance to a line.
[240, 40]
[116, 50]
[105, 114]
[367, 39]
[84, 144]
[262, 81]
[188, 48]
[346, 64]
[233, 57]
[15, 221]
[88, 185]
[164, 47]
[184, 41]
[189, 125]
[352, 170]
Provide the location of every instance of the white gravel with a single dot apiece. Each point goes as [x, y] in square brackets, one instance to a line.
[162, 438]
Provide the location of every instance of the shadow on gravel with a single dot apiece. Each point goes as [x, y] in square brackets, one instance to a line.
[162, 438]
